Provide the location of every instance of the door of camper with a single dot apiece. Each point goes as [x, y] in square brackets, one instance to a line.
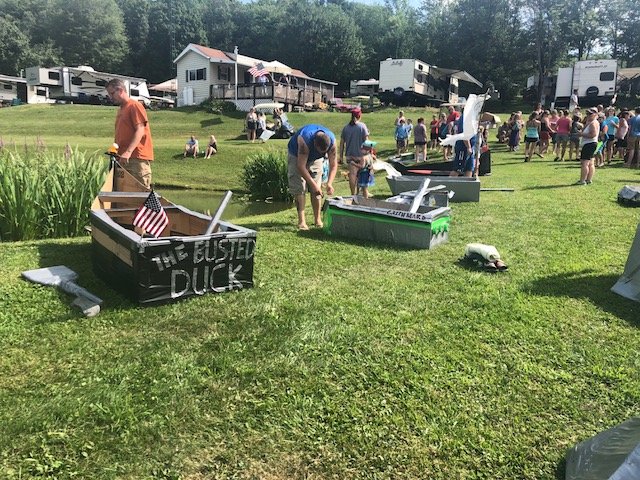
[564, 87]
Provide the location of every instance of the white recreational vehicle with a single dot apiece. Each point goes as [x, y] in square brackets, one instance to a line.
[595, 81]
[363, 87]
[15, 90]
[407, 81]
[83, 84]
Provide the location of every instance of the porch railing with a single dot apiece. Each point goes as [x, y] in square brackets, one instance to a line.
[276, 92]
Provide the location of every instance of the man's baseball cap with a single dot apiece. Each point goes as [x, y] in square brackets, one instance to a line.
[369, 144]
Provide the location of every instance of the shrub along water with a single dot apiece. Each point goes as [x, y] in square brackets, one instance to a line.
[265, 176]
[47, 194]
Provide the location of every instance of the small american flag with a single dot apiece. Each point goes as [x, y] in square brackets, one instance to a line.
[151, 217]
[258, 70]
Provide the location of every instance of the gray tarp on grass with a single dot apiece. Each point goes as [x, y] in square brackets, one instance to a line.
[628, 285]
[610, 455]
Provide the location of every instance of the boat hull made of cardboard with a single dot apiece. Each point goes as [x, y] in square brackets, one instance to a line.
[386, 222]
[183, 261]
[466, 189]
[406, 163]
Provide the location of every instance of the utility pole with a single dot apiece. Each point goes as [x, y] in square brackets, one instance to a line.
[172, 35]
[235, 53]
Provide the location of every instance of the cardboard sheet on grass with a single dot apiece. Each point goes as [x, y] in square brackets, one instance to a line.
[628, 285]
[610, 455]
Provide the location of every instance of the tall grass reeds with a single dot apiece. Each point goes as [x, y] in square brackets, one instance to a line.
[45, 194]
[265, 176]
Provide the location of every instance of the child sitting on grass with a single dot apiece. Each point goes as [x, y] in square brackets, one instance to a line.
[366, 178]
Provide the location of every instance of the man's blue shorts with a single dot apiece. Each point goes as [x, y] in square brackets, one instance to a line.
[463, 161]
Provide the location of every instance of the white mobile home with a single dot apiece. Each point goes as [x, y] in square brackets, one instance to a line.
[595, 81]
[83, 84]
[204, 72]
[408, 81]
[15, 90]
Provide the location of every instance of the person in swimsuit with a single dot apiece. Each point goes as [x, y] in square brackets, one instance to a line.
[532, 136]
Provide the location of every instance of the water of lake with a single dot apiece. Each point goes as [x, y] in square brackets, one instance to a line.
[208, 202]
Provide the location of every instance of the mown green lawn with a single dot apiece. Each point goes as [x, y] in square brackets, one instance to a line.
[347, 360]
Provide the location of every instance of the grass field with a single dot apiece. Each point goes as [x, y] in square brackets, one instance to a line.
[347, 359]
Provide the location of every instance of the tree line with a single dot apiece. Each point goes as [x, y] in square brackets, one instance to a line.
[501, 41]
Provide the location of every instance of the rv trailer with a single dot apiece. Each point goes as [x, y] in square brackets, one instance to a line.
[83, 84]
[363, 87]
[14, 90]
[412, 82]
[595, 81]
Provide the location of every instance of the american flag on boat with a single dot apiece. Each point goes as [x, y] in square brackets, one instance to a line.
[151, 217]
[258, 70]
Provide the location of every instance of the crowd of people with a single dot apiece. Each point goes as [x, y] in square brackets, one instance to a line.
[595, 136]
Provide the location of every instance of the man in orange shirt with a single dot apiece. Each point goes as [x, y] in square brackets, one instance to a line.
[133, 136]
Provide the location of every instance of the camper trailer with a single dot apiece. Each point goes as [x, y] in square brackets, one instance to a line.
[363, 87]
[408, 81]
[14, 90]
[547, 93]
[595, 81]
[83, 84]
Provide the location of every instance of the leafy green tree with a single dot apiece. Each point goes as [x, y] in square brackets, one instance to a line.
[223, 21]
[322, 41]
[401, 27]
[262, 29]
[434, 32]
[548, 43]
[173, 25]
[25, 13]
[582, 26]
[23, 40]
[87, 32]
[615, 20]
[621, 32]
[370, 21]
[42, 54]
[482, 37]
[135, 16]
[14, 42]
[631, 45]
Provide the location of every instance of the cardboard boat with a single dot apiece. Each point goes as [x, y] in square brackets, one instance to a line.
[406, 163]
[387, 222]
[412, 174]
[438, 198]
[183, 261]
[467, 188]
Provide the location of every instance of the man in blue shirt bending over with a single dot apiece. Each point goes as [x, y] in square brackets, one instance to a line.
[307, 149]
